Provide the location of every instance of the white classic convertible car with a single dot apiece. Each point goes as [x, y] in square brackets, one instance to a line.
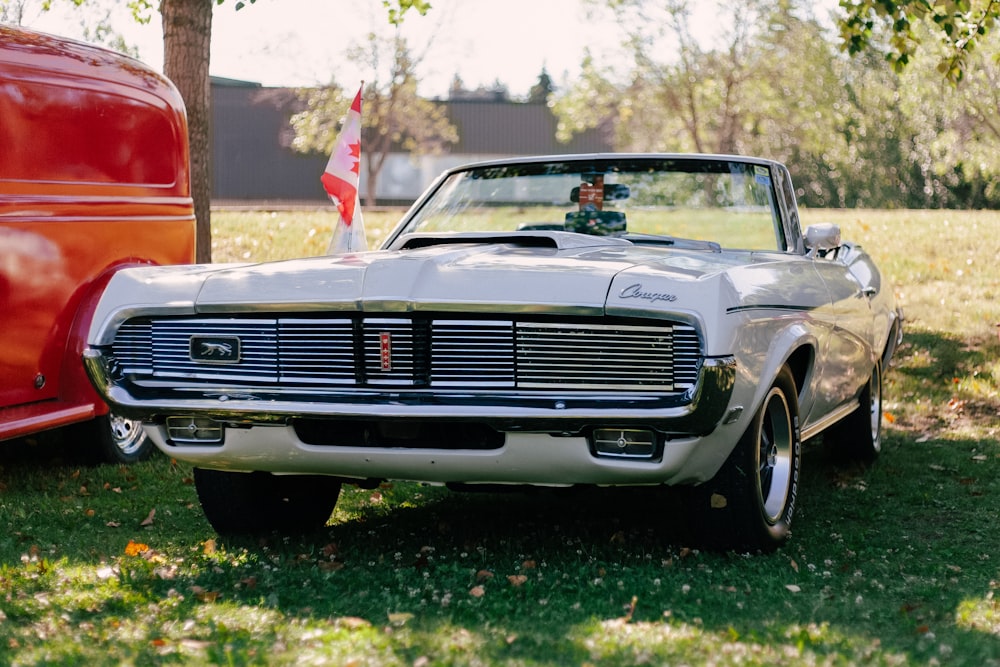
[611, 319]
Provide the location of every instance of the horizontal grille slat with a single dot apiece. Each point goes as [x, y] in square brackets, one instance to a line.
[133, 347]
[317, 351]
[470, 353]
[411, 352]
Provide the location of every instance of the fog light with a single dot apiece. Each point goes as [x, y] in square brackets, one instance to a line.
[194, 431]
[624, 443]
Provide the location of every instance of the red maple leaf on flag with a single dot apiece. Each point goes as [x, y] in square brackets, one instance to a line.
[342, 174]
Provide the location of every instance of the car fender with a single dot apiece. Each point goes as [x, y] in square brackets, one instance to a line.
[794, 344]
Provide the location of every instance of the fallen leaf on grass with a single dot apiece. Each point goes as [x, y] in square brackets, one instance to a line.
[204, 595]
[956, 405]
[135, 548]
[630, 609]
[483, 575]
[400, 619]
[793, 588]
[148, 521]
[330, 566]
[477, 591]
[352, 622]
[517, 580]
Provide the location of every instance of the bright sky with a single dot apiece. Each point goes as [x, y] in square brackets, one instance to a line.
[303, 42]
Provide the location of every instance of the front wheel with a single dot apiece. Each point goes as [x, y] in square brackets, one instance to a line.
[750, 502]
[254, 503]
[112, 438]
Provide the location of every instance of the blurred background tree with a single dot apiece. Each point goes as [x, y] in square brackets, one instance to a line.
[394, 117]
[892, 104]
[856, 129]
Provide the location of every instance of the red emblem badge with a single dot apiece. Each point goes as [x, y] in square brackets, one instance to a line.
[385, 349]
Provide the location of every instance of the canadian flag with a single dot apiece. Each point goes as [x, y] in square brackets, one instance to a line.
[340, 180]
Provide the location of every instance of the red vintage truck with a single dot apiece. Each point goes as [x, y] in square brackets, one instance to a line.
[94, 177]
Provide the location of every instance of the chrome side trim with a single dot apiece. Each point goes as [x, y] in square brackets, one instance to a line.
[828, 420]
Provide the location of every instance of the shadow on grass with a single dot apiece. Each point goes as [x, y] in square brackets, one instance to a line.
[944, 370]
[882, 561]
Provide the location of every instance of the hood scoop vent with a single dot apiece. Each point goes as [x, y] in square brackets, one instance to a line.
[538, 239]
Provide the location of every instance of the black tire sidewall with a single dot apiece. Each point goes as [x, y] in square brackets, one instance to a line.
[729, 509]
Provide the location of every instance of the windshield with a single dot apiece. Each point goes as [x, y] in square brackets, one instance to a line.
[728, 202]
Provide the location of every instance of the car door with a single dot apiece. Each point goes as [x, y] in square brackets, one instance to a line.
[848, 354]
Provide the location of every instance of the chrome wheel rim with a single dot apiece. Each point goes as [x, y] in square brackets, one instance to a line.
[774, 456]
[126, 434]
[875, 406]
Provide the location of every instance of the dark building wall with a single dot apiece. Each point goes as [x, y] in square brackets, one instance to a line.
[514, 128]
[252, 157]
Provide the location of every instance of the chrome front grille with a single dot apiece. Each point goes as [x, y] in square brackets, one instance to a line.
[417, 353]
[594, 355]
[473, 353]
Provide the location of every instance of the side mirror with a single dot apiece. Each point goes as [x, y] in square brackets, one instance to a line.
[822, 238]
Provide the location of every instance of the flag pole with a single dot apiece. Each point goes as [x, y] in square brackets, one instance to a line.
[341, 180]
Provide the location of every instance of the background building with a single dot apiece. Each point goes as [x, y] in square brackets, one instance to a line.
[253, 159]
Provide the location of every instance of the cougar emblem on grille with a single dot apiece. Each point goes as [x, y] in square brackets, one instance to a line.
[215, 349]
[211, 349]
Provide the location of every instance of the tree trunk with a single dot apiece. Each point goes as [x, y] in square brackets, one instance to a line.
[187, 38]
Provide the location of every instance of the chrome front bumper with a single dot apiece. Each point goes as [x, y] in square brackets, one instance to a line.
[693, 413]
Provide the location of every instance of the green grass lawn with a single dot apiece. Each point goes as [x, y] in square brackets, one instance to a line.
[896, 564]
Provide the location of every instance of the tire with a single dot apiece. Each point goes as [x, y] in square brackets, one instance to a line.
[255, 503]
[858, 437]
[749, 504]
[116, 439]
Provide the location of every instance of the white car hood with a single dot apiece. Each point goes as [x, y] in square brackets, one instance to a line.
[462, 276]
[602, 276]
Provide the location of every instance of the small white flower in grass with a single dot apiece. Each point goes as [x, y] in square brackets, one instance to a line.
[686, 588]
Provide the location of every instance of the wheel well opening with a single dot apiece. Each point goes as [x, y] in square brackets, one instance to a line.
[800, 363]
